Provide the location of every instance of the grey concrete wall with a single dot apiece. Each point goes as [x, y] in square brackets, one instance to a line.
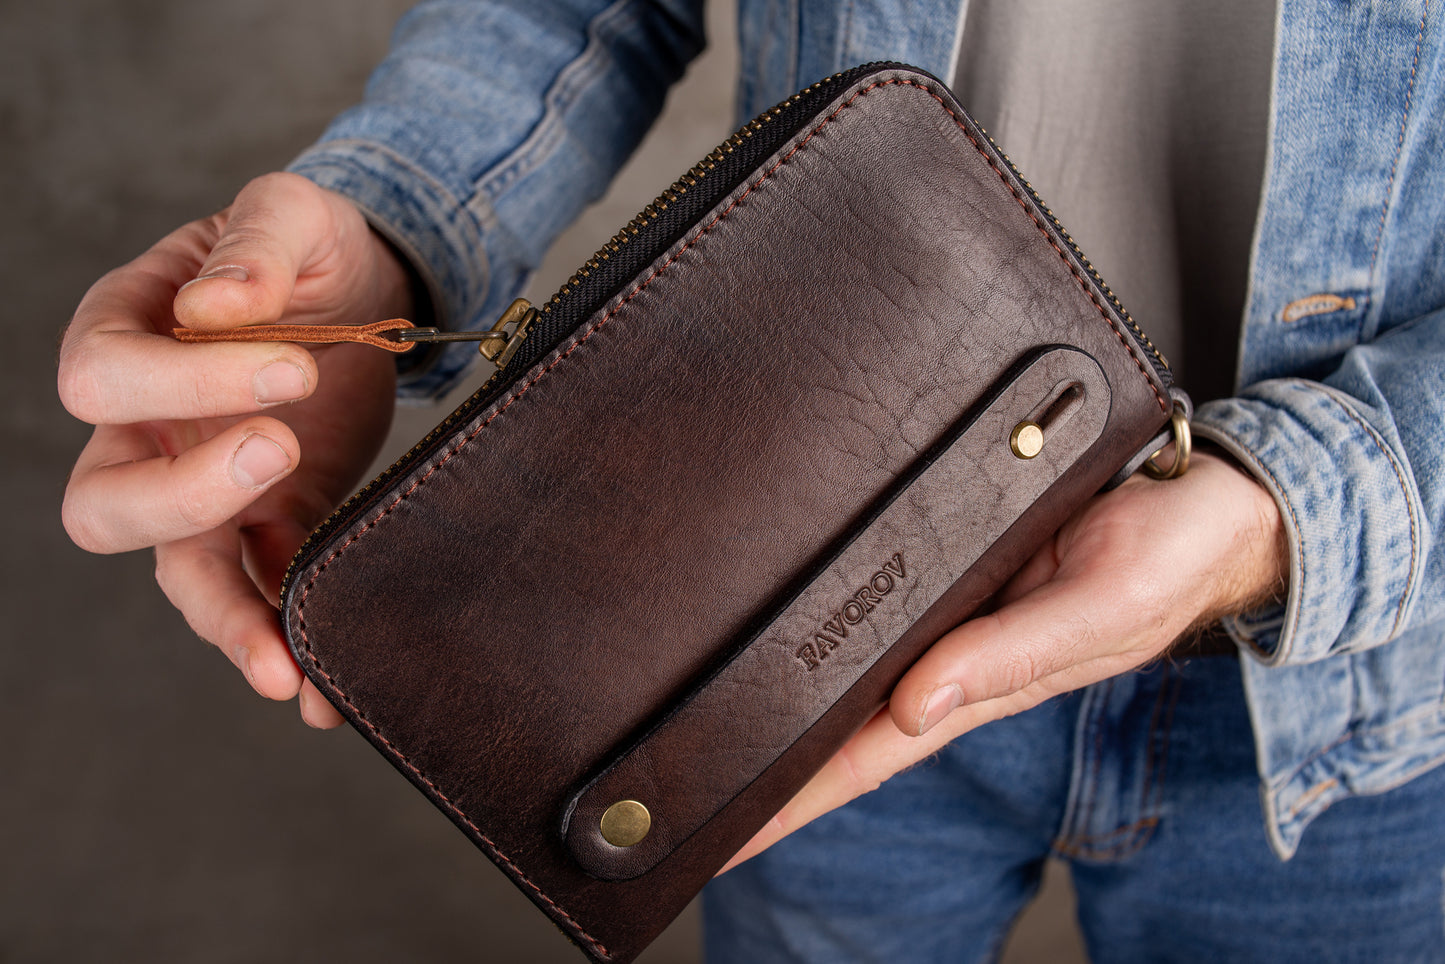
[151, 808]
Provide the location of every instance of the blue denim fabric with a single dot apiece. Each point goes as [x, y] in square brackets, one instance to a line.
[1145, 785]
[491, 125]
[488, 128]
[1341, 413]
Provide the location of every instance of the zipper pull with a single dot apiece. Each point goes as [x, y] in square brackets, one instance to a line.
[395, 334]
[497, 345]
[378, 334]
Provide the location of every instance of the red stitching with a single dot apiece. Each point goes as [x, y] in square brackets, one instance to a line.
[301, 601]
[1023, 203]
[495, 851]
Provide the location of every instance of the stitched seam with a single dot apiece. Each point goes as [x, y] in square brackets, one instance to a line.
[1082, 804]
[1409, 506]
[1400, 147]
[559, 98]
[1135, 835]
[1318, 755]
[1083, 282]
[1160, 738]
[446, 801]
[1312, 794]
[703, 231]
[1285, 630]
[1089, 847]
[1099, 722]
[1352, 736]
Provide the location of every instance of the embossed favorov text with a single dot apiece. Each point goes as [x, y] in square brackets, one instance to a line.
[835, 629]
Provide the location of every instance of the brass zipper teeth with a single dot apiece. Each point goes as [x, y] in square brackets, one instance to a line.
[1078, 253]
[632, 229]
[650, 212]
[366, 491]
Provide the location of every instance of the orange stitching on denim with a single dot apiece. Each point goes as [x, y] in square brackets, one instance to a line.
[1158, 760]
[1080, 810]
[1135, 835]
[1084, 848]
[1320, 304]
[1404, 127]
[316, 573]
[1409, 507]
[1245, 453]
[1312, 794]
[1098, 767]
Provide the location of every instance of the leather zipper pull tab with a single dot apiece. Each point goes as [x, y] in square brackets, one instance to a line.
[378, 334]
[496, 345]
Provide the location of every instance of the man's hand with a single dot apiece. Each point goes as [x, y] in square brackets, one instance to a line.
[1130, 573]
[181, 458]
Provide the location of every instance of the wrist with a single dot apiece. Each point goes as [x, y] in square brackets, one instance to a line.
[1255, 570]
[399, 292]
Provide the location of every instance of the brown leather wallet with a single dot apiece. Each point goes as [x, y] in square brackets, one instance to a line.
[797, 420]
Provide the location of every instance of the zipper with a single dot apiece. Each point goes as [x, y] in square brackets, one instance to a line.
[1161, 364]
[653, 230]
[537, 330]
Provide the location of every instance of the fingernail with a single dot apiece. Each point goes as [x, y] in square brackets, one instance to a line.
[231, 272]
[941, 702]
[278, 382]
[257, 461]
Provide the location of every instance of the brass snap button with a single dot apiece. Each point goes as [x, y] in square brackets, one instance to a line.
[626, 823]
[1026, 440]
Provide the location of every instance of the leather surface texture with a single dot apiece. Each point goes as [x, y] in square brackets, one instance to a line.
[608, 580]
[887, 577]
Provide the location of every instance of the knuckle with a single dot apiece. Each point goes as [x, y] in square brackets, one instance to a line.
[265, 200]
[198, 513]
[177, 573]
[80, 390]
[208, 394]
[1018, 668]
[858, 779]
[244, 238]
[166, 574]
[81, 525]
[275, 181]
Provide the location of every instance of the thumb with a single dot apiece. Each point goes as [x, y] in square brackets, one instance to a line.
[1061, 635]
[270, 233]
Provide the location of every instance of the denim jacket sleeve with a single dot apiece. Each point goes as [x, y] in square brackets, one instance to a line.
[1356, 463]
[1342, 414]
[487, 129]
[490, 126]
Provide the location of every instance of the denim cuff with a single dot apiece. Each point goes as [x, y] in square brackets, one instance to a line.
[1350, 511]
[429, 227]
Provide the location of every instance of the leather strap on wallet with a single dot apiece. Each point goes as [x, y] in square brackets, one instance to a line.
[801, 417]
[1042, 419]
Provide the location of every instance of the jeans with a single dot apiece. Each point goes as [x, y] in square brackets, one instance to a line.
[491, 124]
[1146, 786]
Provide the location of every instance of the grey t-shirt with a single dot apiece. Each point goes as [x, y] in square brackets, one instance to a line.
[1143, 125]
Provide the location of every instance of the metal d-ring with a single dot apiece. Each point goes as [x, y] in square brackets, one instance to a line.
[1183, 445]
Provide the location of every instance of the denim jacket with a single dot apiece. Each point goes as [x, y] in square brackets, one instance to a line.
[490, 125]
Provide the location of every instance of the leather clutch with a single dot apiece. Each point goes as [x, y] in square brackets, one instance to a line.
[799, 418]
